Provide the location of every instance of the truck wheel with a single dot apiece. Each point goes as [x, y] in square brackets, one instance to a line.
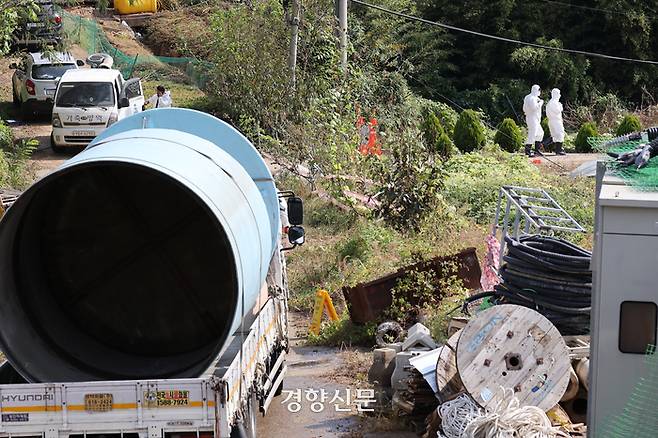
[56, 149]
[247, 429]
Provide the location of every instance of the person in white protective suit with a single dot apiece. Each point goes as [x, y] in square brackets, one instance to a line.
[555, 125]
[161, 98]
[532, 104]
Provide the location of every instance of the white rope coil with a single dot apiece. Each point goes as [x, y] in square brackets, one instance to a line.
[462, 418]
[456, 415]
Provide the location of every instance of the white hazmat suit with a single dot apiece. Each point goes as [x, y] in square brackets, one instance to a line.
[554, 114]
[532, 108]
[163, 101]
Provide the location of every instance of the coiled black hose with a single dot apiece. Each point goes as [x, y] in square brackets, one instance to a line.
[551, 276]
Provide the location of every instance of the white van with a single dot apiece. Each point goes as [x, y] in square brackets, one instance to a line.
[89, 100]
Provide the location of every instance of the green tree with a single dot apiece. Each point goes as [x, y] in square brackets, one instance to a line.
[586, 131]
[251, 78]
[565, 71]
[15, 12]
[508, 136]
[479, 67]
[469, 132]
[630, 123]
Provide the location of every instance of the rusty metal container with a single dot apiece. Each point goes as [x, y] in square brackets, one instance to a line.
[366, 301]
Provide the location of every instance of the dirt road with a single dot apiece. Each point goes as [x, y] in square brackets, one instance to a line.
[333, 371]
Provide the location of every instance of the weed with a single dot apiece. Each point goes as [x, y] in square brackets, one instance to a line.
[345, 332]
[356, 247]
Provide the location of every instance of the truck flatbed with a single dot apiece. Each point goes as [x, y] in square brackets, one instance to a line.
[207, 405]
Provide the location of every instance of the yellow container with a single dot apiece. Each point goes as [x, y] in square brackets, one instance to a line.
[124, 7]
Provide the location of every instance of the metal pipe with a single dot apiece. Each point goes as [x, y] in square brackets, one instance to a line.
[139, 257]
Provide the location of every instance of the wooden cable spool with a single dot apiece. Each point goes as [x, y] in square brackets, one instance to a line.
[448, 382]
[572, 387]
[513, 347]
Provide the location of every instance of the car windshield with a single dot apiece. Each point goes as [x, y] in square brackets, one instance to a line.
[85, 94]
[50, 71]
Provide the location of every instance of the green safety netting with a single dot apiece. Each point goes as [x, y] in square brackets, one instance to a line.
[90, 36]
[638, 418]
[643, 179]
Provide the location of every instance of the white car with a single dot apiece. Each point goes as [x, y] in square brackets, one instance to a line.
[35, 80]
[89, 100]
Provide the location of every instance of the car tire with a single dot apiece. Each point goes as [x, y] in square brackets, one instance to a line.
[56, 149]
[27, 113]
[17, 101]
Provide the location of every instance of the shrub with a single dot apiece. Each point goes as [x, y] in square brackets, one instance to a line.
[444, 146]
[469, 132]
[436, 138]
[6, 137]
[446, 115]
[586, 131]
[508, 136]
[409, 183]
[355, 248]
[547, 133]
[630, 123]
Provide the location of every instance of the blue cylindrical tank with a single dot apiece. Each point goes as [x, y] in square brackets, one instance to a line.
[140, 256]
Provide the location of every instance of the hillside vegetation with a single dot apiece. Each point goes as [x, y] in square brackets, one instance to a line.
[433, 190]
[434, 100]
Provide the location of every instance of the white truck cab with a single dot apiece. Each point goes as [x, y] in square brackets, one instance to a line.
[89, 100]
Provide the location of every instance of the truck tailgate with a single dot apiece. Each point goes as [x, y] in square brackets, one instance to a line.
[105, 406]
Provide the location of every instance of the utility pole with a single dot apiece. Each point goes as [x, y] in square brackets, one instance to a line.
[294, 37]
[342, 33]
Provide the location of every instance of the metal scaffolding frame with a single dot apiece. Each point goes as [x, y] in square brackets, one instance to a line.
[535, 211]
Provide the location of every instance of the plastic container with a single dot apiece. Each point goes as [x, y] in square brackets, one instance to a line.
[124, 7]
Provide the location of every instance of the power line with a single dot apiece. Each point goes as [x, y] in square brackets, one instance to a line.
[499, 38]
[587, 8]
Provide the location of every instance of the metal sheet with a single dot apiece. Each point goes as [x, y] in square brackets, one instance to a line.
[426, 365]
[366, 301]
